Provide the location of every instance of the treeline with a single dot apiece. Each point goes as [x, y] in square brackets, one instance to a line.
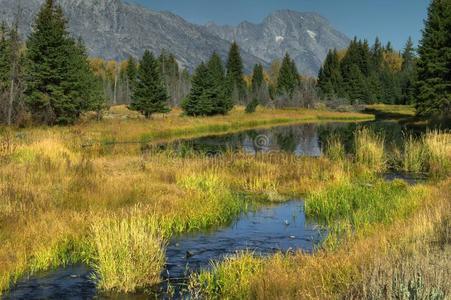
[377, 74]
[364, 74]
[115, 76]
[49, 79]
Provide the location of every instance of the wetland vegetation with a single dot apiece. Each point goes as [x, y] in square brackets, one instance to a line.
[289, 198]
[106, 207]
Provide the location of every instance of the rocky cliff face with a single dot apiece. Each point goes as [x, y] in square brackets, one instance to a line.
[113, 29]
[307, 37]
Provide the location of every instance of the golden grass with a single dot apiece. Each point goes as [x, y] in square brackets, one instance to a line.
[369, 149]
[130, 252]
[123, 126]
[82, 205]
[69, 200]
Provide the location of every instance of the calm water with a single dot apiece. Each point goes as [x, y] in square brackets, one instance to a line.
[281, 227]
[301, 140]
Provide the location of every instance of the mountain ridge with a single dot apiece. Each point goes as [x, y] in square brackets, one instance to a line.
[116, 29]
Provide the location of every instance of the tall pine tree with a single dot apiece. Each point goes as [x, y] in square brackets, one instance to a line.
[235, 78]
[198, 102]
[209, 93]
[257, 77]
[149, 94]
[58, 76]
[408, 73]
[220, 98]
[434, 64]
[329, 78]
[288, 79]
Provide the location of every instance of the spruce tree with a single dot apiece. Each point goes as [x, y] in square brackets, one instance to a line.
[5, 70]
[408, 73]
[235, 77]
[58, 76]
[220, 98]
[149, 94]
[257, 77]
[377, 56]
[288, 79]
[132, 72]
[434, 67]
[198, 103]
[329, 78]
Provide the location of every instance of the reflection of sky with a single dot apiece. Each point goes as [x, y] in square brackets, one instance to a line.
[280, 227]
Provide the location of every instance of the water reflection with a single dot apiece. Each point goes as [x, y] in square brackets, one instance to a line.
[301, 140]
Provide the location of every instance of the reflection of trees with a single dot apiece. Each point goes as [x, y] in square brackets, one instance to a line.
[392, 131]
[287, 141]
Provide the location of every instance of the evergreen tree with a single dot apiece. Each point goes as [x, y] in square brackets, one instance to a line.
[220, 98]
[288, 79]
[251, 107]
[5, 70]
[209, 93]
[408, 73]
[377, 56]
[257, 77]
[356, 84]
[329, 78]
[149, 94]
[198, 102]
[434, 64]
[235, 73]
[132, 72]
[57, 72]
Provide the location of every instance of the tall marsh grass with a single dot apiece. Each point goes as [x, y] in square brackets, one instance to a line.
[430, 153]
[130, 252]
[438, 145]
[413, 155]
[369, 149]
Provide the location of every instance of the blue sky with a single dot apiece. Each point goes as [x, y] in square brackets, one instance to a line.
[392, 20]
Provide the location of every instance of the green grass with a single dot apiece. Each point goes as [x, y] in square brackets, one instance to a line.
[130, 252]
[354, 207]
[369, 149]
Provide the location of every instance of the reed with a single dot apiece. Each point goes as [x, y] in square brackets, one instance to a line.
[413, 155]
[438, 147]
[130, 252]
[369, 149]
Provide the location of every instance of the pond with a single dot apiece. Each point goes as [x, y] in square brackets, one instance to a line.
[264, 230]
[301, 140]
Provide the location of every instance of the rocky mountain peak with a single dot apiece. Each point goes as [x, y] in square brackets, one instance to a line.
[114, 29]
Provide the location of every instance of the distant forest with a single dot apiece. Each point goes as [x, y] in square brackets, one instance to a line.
[49, 79]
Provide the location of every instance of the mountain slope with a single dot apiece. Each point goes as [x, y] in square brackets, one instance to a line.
[307, 37]
[113, 29]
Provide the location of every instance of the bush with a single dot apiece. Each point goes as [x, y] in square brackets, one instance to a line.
[252, 106]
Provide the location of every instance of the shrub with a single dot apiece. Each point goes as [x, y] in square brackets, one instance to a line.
[252, 106]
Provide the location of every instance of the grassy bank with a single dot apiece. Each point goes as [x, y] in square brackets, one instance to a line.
[123, 126]
[394, 111]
